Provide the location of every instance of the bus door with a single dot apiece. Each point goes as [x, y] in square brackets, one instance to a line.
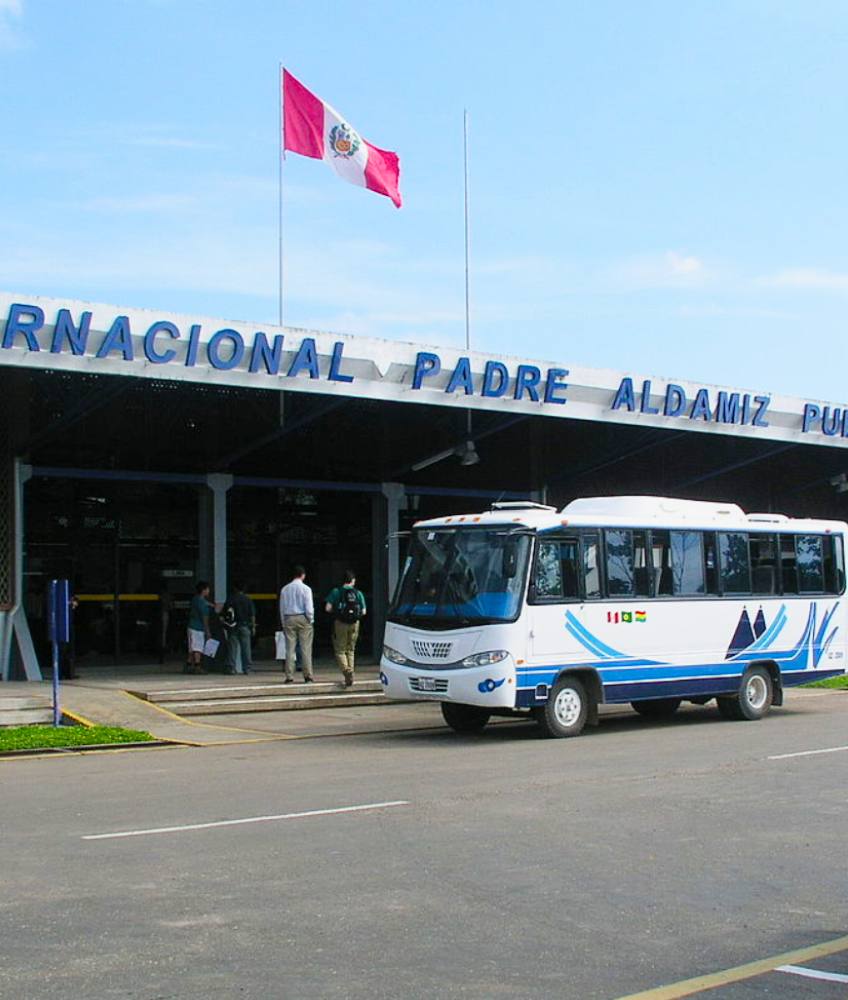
[557, 586]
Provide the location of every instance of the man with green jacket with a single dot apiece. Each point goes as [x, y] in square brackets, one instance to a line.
[347, 606]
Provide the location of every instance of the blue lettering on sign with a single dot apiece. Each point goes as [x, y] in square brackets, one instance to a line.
[527, 379]
[495, 369]
[265, 354]
[624, 396]
[727, 408]
[831, 421]
[701, 406]
[150, 352]
[306, 359]
[335, 362]
[646, 398]
[118, 338]
[76, 336]
[812, 413]
[461, 378]
[760, 414]
[426, 364]
[554, 383]
[213, 353]
[193, 344]
[675, 400]
[24, 320]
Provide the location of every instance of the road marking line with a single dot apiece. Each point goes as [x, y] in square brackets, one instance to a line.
[241, 822]
[797, 970]
[687, 987]
[806, 753]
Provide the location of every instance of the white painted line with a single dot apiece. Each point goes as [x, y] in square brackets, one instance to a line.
[799, 970]
[241, 822]
[806, 753]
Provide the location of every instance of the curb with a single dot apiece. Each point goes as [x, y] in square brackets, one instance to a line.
[89, 748]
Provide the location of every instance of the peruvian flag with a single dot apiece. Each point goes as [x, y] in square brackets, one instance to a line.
[312, 128]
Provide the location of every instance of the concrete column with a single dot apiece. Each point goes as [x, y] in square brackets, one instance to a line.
[385, 508]
[220, 484]
[15, 635]
[395, 494]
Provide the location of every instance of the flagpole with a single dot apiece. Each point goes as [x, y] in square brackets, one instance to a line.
[281, 154]
[467, 232]
[467, 250]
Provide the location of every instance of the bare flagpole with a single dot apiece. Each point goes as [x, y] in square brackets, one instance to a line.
[467, 233]
[281, 154]
[467, 247]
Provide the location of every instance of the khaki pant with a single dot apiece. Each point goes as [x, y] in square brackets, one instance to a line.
[298, 628]
[344, 644]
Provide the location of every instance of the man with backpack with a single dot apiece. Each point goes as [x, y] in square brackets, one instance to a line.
[239, 620]
[347, 606]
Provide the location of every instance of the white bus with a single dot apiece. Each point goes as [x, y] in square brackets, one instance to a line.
[642, 600]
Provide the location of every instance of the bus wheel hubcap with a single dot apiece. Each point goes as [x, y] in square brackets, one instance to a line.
[757, 692]
[567, 707]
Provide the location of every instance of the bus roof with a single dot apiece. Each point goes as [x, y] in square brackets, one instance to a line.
[633, 511]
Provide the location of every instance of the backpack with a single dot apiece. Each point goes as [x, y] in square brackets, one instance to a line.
[228, 616]
[347, 606]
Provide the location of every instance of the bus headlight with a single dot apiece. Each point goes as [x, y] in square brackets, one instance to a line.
[485, 659]
[393, 655]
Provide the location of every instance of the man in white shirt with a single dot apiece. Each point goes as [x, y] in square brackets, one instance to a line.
[297, 616]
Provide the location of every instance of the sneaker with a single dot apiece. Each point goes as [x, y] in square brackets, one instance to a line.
[308, 680]
[289, 680]
[348, 682]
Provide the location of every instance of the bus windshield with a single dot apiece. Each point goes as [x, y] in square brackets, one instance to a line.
[462, 576]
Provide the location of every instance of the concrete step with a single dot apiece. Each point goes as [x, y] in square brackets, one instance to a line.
[25, 716]
[233, 692]
[13, 703]
[272, 703]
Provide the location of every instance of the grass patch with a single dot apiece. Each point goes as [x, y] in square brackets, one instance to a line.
[839, 683]
[44, 737]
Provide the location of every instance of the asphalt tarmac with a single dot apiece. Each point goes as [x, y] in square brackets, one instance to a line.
[639, 855]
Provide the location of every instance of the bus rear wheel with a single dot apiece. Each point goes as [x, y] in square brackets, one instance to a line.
[753, 699]
[657, 708]
[564, 713]
[464, 718]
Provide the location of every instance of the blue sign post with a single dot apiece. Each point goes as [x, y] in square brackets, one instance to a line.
[59, 627]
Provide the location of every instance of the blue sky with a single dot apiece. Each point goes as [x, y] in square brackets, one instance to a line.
[658, 187]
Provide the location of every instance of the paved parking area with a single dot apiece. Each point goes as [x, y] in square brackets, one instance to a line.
[421, 864]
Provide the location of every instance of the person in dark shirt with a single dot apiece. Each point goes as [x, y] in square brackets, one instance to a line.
[198, 627]
[240, 619]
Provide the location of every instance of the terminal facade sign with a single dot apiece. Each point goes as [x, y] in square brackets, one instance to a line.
[46, 333]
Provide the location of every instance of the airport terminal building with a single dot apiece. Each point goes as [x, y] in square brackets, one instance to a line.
[140, 451]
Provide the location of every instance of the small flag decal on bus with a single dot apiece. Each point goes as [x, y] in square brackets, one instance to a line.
[626, 617]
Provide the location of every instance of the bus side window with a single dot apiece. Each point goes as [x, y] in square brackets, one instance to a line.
[834, 564]
[711, 562]
[557, 570]
[641, 575]
[808, 553]
[763, 564]
[734, 562]
[661, 563]
[591, 567]
[687, 562]
[788, 569]
[619, 548]
[548, 577]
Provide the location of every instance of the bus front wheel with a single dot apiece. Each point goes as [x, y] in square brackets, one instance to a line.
[753, 699]
[657, 708]
[564, 713]
[464, 718]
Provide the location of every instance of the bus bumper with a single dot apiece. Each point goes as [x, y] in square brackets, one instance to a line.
[489, 687]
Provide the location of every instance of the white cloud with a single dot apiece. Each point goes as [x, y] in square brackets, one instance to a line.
[669, 269]
[816, 279]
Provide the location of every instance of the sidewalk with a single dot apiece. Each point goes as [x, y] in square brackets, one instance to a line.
[117, 696]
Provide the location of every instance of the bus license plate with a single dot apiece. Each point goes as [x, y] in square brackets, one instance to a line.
[427, 684]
